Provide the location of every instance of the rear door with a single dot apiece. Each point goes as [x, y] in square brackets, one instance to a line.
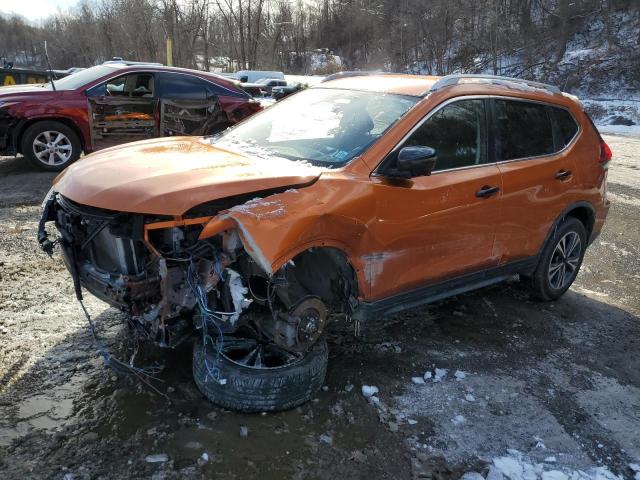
[189, 105]
[532, 142]
[440, 226]
[123, 109]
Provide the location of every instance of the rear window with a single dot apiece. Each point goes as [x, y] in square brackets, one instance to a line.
[523, 129]
[566, 127]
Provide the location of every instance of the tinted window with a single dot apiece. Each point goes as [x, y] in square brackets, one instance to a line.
[457, 132]
[178, 86]
[523, 129]
[566, 127]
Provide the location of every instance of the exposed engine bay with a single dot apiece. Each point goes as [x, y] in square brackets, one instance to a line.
[173, 284]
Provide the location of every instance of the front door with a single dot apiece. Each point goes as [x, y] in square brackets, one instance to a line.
[440, 226]
[122, 110]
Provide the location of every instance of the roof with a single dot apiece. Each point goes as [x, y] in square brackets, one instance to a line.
[422, 85]
[398, 83]
[154, 67]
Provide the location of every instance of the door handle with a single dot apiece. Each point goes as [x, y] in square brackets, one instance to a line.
[563, 175]
[487, 191]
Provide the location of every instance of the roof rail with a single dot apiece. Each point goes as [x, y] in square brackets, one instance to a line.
[458, 78]
[120, 61]
[336, 76]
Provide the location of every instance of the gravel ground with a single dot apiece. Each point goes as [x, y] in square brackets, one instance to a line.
[555, 385]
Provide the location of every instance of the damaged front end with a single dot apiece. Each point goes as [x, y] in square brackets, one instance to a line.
[173, 284]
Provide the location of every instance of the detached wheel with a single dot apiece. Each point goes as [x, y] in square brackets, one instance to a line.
[51, 145]
[259, 377]
[560, 260]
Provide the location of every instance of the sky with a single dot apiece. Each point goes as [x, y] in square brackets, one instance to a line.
[35, 10]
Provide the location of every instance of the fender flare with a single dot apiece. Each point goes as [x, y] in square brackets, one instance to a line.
[579, 204]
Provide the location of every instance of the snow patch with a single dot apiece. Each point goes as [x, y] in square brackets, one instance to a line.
[369, 390]
[516, 466]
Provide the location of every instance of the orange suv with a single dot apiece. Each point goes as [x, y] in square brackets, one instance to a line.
[351, 201]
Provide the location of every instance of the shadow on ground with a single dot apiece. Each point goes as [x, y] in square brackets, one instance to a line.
[77, 417]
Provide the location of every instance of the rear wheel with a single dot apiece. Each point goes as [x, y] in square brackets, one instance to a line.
[560, 260]
[251, 376]
[51, 145]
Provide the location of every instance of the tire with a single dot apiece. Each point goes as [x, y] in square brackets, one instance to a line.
[51, 145]
[250, 389]
[546, 282]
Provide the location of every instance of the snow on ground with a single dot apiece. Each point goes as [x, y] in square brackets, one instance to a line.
[497, 419]
[516, 466]
[625, 168]
[620, 129]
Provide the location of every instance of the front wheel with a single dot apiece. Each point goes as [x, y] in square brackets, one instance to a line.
[560, 260]
[245, 375]
[51, 145]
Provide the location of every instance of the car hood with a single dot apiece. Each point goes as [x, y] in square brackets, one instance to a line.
[169, 176]
[23, 88]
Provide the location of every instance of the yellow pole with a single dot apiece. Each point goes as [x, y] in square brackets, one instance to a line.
[169, 52]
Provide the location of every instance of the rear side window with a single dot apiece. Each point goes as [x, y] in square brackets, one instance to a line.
[566, 127]
[523, 129]
[178, 86]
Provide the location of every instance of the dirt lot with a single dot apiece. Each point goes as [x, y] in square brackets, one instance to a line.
[528, 387]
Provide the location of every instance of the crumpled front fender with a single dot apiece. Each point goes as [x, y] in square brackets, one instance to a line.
[276, 228]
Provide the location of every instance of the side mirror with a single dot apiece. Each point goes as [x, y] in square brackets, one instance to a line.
[414, 162]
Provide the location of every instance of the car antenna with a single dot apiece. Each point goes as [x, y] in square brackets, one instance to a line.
[51, 74]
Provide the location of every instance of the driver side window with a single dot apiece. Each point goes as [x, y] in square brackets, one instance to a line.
[130, 85]
[458, 134]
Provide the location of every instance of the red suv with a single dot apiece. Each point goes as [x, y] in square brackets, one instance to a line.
[114, 103]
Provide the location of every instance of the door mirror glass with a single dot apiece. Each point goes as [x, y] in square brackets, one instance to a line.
[415, 161]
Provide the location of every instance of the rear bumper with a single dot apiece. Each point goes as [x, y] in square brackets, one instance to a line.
[601, 216]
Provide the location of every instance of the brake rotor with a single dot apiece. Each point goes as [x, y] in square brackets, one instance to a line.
[312, 317]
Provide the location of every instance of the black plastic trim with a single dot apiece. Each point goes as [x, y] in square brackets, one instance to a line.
[438, 291]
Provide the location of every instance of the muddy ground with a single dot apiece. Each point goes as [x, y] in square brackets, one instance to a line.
[558, 382]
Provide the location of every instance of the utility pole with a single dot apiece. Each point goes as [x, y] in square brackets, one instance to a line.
[169, 51]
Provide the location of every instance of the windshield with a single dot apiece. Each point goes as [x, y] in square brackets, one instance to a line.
[327, 127]
[81, 78]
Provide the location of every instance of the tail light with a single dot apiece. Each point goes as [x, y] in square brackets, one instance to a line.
[605, 153]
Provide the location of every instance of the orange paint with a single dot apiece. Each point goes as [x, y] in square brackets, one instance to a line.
[397, 235]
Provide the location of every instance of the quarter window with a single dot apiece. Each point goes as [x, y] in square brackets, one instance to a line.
[523, 129]
[566, 127]
[457, 133]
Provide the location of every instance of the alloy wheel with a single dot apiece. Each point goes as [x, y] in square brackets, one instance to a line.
[254, 354]
[565, 261]
[52, 148]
